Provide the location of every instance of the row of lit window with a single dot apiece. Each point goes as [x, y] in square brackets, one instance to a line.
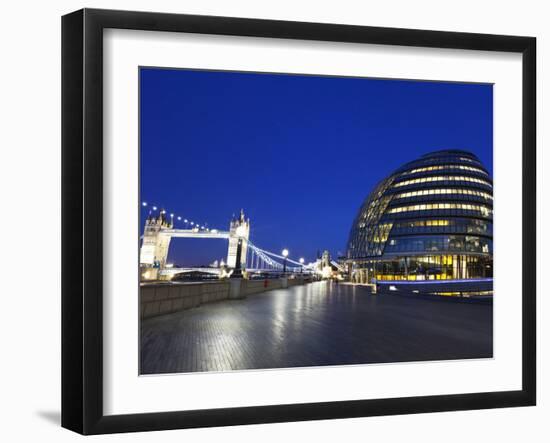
[463, 293]
[467, 159]
[439, 243]
[440, 167]
[442, 178]
[442, 226]
[407, 267]
[414, 277]
[456, 225]
[452, 222]
[453, 156]
[455, 240]
[444, 191]
[420, 261]
[430, 223]
[429, 206]
[443, 159]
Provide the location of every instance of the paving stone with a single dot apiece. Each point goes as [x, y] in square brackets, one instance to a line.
[314, 325]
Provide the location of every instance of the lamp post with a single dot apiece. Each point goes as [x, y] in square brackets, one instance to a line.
[285, 255]
[238, 272]
[302, 265]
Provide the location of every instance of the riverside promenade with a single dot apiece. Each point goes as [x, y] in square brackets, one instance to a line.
[316, 324]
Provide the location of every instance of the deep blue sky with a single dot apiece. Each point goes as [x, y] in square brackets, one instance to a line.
[298, 153]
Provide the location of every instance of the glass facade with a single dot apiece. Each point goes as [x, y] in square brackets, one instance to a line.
[432, 219]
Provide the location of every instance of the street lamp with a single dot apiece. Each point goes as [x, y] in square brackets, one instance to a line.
[302, 263]
[285, 255]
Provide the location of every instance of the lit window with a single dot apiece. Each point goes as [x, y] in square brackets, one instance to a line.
[422, 192]
[431, 206]
[442, 178]
[445, 167]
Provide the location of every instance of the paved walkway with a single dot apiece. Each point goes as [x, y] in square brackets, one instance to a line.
[314, 325]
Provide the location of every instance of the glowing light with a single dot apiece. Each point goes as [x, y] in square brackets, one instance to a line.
[214, 231]
[169, 265]
[144, 204]
[172, 215]
[285, 252]
[301, 261]
[392, 288]
[202, 227]
[191, 223]
[186, 221]
[179, 218]
[154, 208]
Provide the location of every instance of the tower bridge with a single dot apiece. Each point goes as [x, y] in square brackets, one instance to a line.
[242, 254]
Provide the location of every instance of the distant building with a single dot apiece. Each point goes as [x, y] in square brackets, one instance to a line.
[431, 219]
[326, 268]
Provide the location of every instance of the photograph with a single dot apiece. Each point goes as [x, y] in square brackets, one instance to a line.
[291, 220]
[280, 220]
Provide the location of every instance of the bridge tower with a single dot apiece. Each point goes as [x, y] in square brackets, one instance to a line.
[239, 227]
[154, 248]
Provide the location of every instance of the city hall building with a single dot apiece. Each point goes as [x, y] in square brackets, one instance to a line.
[431, 219]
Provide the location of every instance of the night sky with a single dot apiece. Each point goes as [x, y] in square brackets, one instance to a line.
[298, 153]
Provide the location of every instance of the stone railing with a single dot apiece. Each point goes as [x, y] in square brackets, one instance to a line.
[165, 298]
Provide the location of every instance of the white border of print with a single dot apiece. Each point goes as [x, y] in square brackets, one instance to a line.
[125, 392]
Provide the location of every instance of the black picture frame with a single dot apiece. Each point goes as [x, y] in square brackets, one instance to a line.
[82, 190]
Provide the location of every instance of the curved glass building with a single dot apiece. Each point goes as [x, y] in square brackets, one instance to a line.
[431, 219]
